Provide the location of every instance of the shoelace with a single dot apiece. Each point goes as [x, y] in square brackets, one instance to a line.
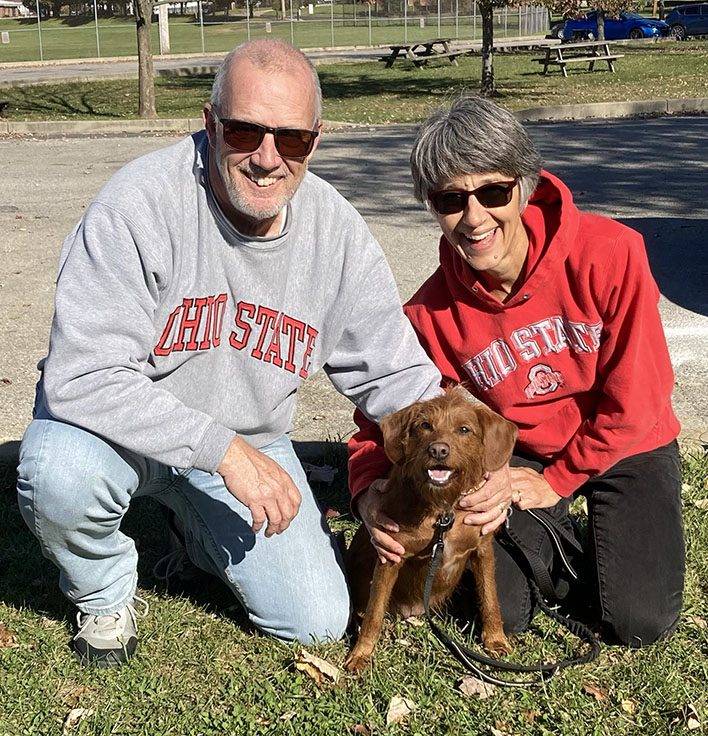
[106, 621]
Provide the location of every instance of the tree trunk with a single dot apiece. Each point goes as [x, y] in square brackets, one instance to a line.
[146, 78]
[600, 24]
[488, 87]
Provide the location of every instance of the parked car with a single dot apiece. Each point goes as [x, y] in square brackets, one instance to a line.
[626, 25]
[688, 20]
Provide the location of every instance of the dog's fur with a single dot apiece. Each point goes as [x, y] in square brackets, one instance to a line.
[446, 436]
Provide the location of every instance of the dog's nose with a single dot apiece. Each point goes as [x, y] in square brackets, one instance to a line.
[439, 450]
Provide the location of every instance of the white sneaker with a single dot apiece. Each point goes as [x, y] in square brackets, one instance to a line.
[108, 640]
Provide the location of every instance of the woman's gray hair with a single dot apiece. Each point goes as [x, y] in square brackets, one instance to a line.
[268, 54]
[473, 136]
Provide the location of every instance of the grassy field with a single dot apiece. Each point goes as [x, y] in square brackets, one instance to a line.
[202, 671]
[75, 37]
[367, 92]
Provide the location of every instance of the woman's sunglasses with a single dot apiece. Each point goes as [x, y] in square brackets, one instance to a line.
[452, 201]
[247, 137]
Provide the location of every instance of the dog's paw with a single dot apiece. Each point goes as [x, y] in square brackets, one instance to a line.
[496, 644]
[355, 663]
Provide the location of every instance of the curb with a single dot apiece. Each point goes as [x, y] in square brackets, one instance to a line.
[694, 105]
[604, 110]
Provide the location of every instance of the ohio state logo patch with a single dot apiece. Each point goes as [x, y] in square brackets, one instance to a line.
[543, 380]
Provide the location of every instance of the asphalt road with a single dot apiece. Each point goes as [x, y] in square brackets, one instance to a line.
[650, 174]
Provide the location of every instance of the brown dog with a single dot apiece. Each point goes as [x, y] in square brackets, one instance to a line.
[441, 449]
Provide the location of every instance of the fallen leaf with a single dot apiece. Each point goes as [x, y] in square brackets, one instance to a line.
[501, 726]
[697, 621]
[7, 638]
[74, 717]
[529, 715]
[71, 694]
[414, 621]
[629, 705]
[360, 728]
[398, 709]
[688, 715]
[595, 691]
[318, 669]
[288, 715]
[470, 685]
[701, 503]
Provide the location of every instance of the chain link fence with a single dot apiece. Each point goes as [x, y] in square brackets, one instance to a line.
[194, 28]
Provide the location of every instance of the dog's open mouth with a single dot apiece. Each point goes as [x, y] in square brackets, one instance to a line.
[440, 475]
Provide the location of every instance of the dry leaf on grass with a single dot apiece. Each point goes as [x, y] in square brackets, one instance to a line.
[321, 671]
[288, 715]
[697, 621]
[7, 638]
[701, 503]
[398, 709]
[597, 692]
[470, 685]
[629, 705]
[360, 728]
[688, 716]
[414, 621]
[74, 717]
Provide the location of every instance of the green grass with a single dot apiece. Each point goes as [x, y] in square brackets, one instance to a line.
[75, 37]
[202, 671]
[367, 92]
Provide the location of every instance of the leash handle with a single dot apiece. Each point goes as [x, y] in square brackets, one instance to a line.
[468, 657]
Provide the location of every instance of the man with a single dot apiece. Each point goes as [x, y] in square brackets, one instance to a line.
[202, 286]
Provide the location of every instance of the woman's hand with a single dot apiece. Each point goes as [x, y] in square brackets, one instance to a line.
[531, 490]
[369, 504]
[489, 502]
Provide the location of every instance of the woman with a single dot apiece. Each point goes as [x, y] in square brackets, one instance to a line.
[549, 316]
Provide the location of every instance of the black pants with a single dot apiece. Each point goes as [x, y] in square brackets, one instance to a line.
[633, 568]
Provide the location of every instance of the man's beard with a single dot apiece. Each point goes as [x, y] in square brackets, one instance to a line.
[253, 207]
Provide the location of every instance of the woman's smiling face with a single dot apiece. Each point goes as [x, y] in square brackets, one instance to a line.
[492, 240]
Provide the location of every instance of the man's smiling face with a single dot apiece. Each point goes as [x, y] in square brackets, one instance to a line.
[253, 188]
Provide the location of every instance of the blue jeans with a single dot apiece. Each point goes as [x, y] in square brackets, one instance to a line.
[74, 489]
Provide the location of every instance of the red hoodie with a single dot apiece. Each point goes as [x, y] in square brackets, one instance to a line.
[577, 358]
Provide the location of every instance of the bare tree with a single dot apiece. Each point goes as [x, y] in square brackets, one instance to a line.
[486, 9]
[146, 72]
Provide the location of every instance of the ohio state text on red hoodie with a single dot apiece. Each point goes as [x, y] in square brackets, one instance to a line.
[577, 358]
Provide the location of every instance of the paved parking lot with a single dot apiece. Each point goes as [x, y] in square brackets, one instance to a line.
[650, 174]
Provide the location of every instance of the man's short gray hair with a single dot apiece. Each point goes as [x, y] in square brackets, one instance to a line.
[268, 54]
[473, 136]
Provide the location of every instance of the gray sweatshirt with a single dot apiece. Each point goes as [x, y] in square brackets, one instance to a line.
[173, 332]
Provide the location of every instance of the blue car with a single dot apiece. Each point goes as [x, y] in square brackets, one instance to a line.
[626, 25]
[688, 20]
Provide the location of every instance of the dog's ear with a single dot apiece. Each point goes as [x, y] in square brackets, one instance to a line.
[498, 437]
[396, 429]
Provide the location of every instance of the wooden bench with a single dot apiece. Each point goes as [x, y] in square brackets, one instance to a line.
[578, 53]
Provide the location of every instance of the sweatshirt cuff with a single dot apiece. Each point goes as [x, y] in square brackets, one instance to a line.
[562, 480]
[212, 448]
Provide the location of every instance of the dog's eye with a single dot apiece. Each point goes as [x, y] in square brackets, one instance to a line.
[464, 429]
[425, 425]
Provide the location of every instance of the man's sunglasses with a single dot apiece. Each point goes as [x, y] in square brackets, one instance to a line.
[247, 137]
[452, 201]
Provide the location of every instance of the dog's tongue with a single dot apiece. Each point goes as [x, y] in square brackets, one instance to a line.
[439, 476]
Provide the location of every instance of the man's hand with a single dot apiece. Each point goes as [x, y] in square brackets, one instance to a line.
[489, 502]
[261, 484]
[531, 490]
[377, 523]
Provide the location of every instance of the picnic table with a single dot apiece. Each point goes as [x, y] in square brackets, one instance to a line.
[573, 53]
[421, 52]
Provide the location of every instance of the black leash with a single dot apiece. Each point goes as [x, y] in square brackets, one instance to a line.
[468, 657]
